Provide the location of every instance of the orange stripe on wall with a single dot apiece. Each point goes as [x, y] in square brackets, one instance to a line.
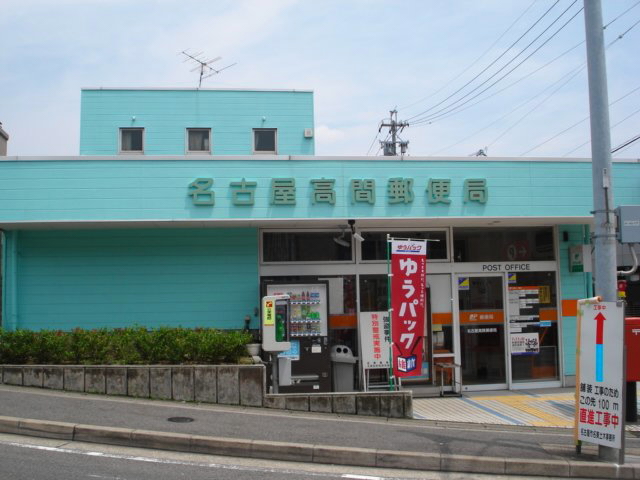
[548, 314]
[569, 308]
[445, 318]
[342, 321]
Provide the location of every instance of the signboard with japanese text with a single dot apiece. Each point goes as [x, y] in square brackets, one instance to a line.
[408, 280]
[374, 343]
[525, 343]
[599, 383]
[524, 306]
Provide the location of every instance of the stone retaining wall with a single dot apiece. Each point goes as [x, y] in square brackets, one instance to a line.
[223, 384]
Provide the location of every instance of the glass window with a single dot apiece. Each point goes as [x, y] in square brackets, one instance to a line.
[541, 288]
[131, 139]
[199, 140]
[375, 245]
[373, 293]
[503, 244]
[306, 247]
[264, 140]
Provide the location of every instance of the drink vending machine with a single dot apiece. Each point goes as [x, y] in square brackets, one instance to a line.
[307, 361]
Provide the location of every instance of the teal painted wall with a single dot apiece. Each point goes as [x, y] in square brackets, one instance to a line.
[134, 189]
[152, 278]
[166, 114]
[574, 286]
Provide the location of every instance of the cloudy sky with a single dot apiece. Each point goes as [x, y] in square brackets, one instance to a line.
[507, 76]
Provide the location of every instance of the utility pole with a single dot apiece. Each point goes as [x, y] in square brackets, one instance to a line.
[604, 235]
[395, 127]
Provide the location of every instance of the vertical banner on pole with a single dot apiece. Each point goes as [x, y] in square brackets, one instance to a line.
[408, 269]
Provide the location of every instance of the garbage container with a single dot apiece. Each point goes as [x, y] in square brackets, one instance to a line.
[343, 363]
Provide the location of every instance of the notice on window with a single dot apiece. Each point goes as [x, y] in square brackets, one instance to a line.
[524, 306]
[525, 343]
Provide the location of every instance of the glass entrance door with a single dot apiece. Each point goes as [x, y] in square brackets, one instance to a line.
[482, 330]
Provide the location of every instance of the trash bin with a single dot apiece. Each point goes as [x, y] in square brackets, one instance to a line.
[343, 363]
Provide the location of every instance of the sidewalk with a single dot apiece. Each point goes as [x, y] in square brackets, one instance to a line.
[534, 408]
[487, 447]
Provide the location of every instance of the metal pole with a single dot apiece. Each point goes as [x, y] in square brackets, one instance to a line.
[604, 240]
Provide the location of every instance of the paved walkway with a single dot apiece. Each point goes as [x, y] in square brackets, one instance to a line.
[535, 408]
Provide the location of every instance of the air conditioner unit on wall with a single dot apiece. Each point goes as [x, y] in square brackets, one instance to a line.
[308, 132]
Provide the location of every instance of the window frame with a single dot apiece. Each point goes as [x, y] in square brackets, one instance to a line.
[332, 231]
[188, 130]
[275, 141]
[446, 230]
[121, 131]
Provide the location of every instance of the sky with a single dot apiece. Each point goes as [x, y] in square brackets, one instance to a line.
[465, 74]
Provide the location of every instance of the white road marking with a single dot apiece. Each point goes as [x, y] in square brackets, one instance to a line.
[362, 477]
[165, 461]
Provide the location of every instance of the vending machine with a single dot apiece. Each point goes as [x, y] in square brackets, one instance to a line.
[308, 331]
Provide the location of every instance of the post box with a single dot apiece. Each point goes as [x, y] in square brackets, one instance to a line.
[632, 342]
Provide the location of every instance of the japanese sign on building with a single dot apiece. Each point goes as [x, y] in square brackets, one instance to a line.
[408, 270]
[599, 382]
[525, 343]
[283, 191]
[375, 344]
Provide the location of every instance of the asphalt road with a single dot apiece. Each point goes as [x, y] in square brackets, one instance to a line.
[262, 424]
[27, 458]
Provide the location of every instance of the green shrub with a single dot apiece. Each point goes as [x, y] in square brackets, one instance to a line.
[135, 345]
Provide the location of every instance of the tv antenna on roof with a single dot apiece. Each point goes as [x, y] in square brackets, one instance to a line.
[206, 70]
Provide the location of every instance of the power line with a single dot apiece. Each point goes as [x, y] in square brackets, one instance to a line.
[619, 37]
[577, 123]
[451, 108]
[625, 144]
[623, 13]
[490, 65]
[523, 78]
[502, 90]
[539, 104]
[511, 111]
[451, 105]
[373, 141]
[446, 84]
[612, 127]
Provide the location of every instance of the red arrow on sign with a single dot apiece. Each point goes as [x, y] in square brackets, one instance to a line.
[600, 318]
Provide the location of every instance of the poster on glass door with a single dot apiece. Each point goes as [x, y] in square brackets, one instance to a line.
[408, 278]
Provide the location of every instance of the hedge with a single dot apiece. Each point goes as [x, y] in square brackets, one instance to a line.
[125, 346]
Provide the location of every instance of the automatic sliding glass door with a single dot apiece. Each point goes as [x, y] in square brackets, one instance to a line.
[482, 330]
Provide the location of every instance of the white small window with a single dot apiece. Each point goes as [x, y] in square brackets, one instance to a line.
[131, 140]
[199, 140]
[265, 140]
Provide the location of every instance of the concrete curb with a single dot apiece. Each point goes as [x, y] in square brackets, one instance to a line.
[326, 454]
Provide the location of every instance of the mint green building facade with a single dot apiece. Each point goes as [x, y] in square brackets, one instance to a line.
[163, 235]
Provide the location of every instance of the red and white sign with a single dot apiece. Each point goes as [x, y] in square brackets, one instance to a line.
[374, 352]
[408, 269]
[599, 383]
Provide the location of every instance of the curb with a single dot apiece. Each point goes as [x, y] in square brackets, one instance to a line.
[325, 454]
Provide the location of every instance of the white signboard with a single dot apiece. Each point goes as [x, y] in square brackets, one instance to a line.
[375, 347]
[599, 388]
[525, 343]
